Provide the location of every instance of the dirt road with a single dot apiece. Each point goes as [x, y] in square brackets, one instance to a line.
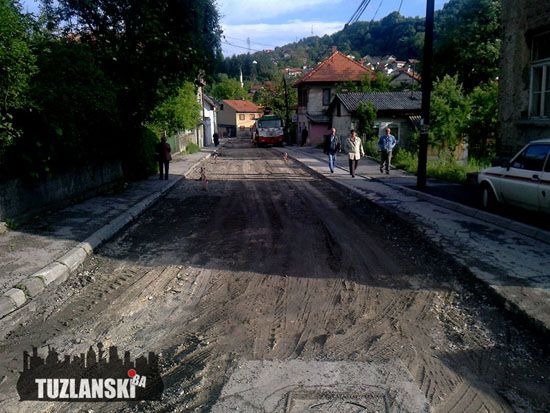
[273, 263]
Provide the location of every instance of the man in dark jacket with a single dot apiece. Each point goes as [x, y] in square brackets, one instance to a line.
[163, 156]
[304, 137]
[331, 147]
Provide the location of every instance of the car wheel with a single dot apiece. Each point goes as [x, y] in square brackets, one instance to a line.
[488, 199]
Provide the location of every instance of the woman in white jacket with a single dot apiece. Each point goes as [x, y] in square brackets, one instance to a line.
[355, 151]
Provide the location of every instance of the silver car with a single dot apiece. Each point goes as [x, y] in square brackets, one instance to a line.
[524, 181]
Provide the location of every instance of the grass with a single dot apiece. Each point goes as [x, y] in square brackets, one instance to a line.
[11, 224]
[445, 168]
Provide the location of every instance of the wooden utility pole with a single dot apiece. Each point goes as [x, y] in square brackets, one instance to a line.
[426, 95]
[287, 113]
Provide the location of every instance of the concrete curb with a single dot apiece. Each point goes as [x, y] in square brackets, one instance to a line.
[515, 311]
[60, 269]
[524, 229]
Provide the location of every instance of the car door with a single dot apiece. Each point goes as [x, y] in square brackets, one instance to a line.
[544, 187]
[521, 182]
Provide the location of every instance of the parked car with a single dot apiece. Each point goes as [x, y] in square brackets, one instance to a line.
[523, 181]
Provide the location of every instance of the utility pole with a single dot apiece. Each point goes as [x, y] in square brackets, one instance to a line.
[426, 95]
[287, 112]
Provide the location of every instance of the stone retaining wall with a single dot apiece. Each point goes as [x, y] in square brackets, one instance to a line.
[20, 201]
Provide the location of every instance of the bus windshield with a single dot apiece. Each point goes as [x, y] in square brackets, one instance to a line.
[270, 123]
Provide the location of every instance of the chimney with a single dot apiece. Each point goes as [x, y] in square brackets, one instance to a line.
[334, 49]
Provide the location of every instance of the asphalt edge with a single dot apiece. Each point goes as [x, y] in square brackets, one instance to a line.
[59, 270]
[525, 319]
[523, 229]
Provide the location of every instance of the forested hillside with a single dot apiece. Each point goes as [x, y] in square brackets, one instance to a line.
[467, 42]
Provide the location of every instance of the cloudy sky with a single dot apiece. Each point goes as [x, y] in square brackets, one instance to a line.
[277, 22]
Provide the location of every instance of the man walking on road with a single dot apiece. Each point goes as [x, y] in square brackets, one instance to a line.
[386, 143]
[331, 147]
[355, 152]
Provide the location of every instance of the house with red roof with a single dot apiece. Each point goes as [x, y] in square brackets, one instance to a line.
[317, 88]
[236, 118]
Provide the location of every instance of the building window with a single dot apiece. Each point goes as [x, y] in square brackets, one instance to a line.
[326, 97]
[241, 117]
[252, 116]
[539, 102]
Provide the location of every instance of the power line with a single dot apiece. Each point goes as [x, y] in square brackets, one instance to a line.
[241, 47]
[377, 10]
[357, 14]
[400, 4]
[245, 41]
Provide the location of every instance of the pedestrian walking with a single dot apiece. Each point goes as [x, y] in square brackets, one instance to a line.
[386, 143]
[305, 134]
[331, 147]
[216, 139]
[355, 152]
[164, 156]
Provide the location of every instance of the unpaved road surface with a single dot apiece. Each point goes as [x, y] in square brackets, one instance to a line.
[274, 263]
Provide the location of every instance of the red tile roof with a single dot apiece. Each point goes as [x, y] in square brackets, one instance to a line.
[336, 68]
[243, 106]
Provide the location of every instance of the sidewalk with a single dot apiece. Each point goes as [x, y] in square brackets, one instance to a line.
[511, 258]
[47, 250]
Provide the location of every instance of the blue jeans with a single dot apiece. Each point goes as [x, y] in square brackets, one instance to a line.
[331, 161]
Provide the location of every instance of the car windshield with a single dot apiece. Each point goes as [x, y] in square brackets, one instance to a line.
[271, 123]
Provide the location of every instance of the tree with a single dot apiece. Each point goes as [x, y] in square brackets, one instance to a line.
[482, 124]
[148, 47]
[17, 66]
[228, 88]
[177, 113]
[380, 82]
[74, 118]
[273, 96]
[365, 115]
[450, 111]
[467, 41]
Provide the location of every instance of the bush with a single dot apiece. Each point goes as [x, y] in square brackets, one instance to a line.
[140, 161]
[371, 148]
[445, 168]
[192, 148]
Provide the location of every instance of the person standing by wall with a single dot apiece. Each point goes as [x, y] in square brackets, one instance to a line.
[355, 152]
[386, 143]
[305, 134]
[331, 148]
[163, 156]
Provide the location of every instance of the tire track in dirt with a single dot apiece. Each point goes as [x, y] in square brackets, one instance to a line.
[272, 263]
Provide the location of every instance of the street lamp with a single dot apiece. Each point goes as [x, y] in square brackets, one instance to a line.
[426, 95]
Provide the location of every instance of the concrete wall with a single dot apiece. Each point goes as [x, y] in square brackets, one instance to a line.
[180, 141]
[342, 123]
[519, 18]
[226, 116]
[20, 201]
[317, 132]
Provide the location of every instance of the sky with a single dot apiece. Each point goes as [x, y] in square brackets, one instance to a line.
[278, 22]
[274, 23]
